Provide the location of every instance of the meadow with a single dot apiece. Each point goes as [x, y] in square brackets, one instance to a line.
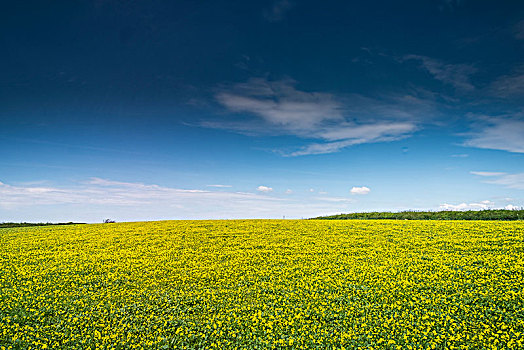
[264, 284]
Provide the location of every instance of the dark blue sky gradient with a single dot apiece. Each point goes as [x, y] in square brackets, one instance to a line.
[419, 101]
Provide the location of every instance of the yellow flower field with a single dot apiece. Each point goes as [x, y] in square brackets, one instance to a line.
[257, 284]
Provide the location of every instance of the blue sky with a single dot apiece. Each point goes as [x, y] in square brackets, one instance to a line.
[149, 110]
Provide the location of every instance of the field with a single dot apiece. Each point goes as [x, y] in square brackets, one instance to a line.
[264, 284]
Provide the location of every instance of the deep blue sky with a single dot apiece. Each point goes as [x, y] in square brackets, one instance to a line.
[141, 110]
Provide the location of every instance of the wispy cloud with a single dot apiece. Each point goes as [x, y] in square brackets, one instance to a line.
[332, 147]
[138, 186]
[499, 178]
[360, 190]
[280, 104]
[336, 122]
[457, 75]
[278, 11]
[498, 133]
[102, 191]
[97, 199]
[509, 86]
[487, 173]
[219, 186]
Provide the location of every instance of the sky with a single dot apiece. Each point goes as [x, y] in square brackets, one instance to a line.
[152, 110]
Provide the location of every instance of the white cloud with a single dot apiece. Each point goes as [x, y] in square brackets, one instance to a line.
[457, 75]
[219, 186]
[462, 206]
[278, 11]
[97, 191]
[511, 207]
[264, 189]
[360, 190]
[463, 155]
[98, 199]
[508, 180]
[486, 204]
[502, 133]
[280, 104]
[335, 121]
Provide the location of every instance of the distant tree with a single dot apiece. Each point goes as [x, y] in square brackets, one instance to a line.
[109, 221]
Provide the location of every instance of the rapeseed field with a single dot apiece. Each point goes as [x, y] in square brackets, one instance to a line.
[263, 284]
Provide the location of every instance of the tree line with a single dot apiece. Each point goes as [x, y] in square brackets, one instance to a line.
[27, 224]
[490, 214]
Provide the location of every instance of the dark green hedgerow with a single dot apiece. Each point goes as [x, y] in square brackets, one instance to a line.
[28, 224]
[494, 214]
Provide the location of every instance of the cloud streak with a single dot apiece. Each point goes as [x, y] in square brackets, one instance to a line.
[498, 133]
[281, 105]
[102, 191]
[515, 181]
[334, 122]
[509, 86]
[487, 173]
[457, 75]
